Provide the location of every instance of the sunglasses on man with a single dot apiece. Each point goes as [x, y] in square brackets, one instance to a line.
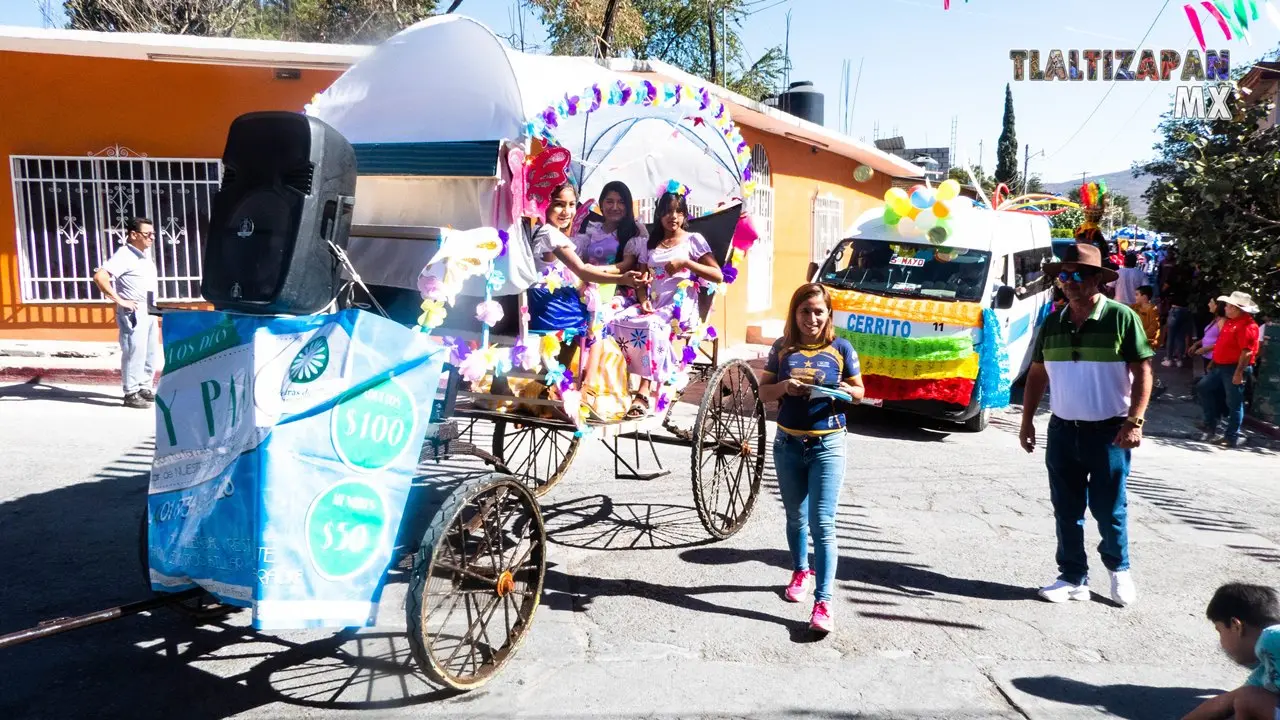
[1076, 275]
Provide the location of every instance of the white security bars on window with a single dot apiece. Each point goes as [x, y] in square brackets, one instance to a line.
[828, 225]
[72, 211]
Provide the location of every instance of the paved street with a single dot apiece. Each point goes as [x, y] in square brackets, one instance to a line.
[944, 536]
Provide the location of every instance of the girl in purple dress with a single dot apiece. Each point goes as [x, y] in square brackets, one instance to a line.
[616, 242]
[645, 331]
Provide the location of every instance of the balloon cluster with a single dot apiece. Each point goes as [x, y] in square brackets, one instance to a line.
[922, 211]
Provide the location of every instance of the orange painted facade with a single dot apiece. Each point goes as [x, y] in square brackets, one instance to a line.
[69, 105]
[72, 106]
[798, 176]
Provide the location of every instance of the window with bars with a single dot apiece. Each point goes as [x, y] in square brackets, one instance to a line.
[646, 207]
[72, 212]
[828, 226]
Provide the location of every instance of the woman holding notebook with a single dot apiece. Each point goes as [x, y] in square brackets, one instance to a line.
[808, 372]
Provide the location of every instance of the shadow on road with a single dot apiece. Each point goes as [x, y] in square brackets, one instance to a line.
[35, 390]
[575, 593]
[1129, 702]
[595, 522]
[75, 550]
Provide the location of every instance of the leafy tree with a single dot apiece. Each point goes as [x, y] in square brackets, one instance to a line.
[338, 21]
[1217, 190]
[678, 32]
[181, 17]
[1007, 147]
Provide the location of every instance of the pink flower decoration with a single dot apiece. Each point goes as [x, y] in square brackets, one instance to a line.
[431, 287]
[489, 312]
[473, 367]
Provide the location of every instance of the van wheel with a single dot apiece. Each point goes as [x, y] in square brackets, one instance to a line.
[978, 422]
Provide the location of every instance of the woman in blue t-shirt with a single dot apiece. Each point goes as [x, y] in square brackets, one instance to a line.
[808, 451]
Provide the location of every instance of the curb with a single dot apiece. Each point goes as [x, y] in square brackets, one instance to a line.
[1262, 427]
[71, 376]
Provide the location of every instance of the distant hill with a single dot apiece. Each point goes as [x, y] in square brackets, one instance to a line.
[1120, 183]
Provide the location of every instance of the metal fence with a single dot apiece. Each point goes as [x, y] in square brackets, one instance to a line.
[72, 211]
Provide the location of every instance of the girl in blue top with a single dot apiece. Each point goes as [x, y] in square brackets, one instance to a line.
[808, 451]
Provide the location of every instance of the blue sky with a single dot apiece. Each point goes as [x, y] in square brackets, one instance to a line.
[922, 65]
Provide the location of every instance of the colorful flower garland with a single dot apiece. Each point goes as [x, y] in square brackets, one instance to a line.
[645, 93]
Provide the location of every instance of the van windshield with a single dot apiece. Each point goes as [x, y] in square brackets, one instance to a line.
[907, 269]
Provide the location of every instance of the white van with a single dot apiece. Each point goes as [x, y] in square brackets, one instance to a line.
[992, 258]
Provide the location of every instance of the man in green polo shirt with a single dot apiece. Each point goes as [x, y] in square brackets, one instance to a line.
[1094, 355]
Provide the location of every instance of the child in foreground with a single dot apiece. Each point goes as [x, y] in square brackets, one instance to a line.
[1150, 315]
[1247, 618]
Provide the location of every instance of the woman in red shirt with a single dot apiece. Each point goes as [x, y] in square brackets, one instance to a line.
[1222, 388]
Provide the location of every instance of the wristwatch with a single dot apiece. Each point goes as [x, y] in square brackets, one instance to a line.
[1136, 421]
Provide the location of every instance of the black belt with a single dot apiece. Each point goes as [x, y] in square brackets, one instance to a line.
[1092, 423]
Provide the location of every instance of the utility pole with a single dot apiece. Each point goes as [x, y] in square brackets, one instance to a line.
[1026, 164]
[979, 153]
[711, 28]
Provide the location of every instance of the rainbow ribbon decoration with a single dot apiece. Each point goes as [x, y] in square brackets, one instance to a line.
[944, 368]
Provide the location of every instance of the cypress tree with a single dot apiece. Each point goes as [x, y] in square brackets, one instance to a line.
[1007, 148]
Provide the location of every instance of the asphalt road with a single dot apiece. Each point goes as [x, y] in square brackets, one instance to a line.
[944, 537]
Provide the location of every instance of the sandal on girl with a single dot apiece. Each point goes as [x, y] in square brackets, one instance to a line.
[639, 407]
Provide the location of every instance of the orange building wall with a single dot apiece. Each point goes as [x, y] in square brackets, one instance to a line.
[798, 175]
[64, 105]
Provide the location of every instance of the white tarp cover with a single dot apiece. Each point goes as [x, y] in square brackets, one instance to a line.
[449, 79]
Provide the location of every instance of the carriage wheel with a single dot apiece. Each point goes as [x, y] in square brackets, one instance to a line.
[537, 455]
[728, 449]
[476, 581]
[204, 608]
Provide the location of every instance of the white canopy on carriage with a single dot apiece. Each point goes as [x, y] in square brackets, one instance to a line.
[450, 80]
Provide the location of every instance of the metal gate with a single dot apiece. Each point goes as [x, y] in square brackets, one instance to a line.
[71, 215]
[828, 226]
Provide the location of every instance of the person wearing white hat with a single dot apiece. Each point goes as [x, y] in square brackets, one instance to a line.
[1222, 388]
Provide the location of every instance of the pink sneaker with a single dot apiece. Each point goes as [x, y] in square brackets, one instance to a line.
[799, 586]
[821, 621]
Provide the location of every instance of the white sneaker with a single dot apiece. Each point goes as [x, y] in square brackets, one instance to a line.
[1166, 362]
[1123, 590]
[1063, 591]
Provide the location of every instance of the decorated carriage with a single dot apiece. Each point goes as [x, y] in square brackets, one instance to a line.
[288, 477]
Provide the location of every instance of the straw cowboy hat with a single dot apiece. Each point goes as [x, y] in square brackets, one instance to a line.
[1082, 255]
[1244, 301]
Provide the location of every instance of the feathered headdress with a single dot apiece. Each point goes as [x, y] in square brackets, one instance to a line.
[1093, 199]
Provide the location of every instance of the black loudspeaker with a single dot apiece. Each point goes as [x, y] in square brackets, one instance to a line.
[288, 188]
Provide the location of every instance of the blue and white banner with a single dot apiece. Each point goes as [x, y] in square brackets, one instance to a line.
[285, 449]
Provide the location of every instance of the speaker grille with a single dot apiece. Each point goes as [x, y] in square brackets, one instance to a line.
[300, 177]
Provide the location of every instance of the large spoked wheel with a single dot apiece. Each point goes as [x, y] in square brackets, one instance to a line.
[476, 583]
[728, 449]
[537, 455]
[202, 609]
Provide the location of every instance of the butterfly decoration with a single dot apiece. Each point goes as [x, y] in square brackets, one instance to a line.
[519, 183]
[548, 170]
[584, 209]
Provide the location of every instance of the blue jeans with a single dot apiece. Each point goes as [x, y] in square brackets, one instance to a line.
[1178, 333]
[810, 473]
[1086, 469]
[1219, 396]
[140, 353]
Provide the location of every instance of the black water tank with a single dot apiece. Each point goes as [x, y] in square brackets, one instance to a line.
[804, 102]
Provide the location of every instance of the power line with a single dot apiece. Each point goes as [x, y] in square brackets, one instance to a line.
[1109, 89]
[1137, 109]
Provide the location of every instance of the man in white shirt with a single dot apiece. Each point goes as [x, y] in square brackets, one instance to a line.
[1131, 277]
[129, 279]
